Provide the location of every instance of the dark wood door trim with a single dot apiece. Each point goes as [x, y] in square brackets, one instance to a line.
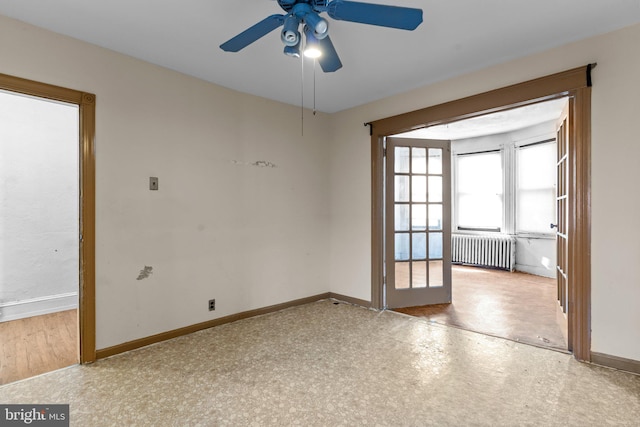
[87, 311]
[529, 92]
[86, 103]
[580, 225]
[574, 83]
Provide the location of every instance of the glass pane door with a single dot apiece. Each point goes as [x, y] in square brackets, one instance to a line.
[417, 223]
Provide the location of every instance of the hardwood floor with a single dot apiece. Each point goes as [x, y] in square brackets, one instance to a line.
[516, 306]
[36, 345]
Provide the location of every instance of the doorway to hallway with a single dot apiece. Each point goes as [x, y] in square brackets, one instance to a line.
[39, 234]
[47, 226]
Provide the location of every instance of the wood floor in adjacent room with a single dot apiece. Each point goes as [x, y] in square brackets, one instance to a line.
[517, 306]
[35, 345]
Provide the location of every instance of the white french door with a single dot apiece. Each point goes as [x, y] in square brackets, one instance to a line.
[417, 222]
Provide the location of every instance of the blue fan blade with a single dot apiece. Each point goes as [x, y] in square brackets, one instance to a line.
[252, 34]
[403, 18]
[329, 61]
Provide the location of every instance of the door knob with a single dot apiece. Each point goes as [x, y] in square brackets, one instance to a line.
[552, 225]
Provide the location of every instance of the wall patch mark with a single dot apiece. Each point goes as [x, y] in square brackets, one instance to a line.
[263, 164]
[258, 164]
[145, 272]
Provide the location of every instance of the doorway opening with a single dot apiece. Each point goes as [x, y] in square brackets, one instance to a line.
[505, 273]
[573, 84]
[47, 228]
[39, 261]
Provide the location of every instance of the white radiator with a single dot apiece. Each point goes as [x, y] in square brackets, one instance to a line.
[483, 250]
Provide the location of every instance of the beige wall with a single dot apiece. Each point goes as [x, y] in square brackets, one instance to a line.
[218, 227]
[250, 236]
[615, 175]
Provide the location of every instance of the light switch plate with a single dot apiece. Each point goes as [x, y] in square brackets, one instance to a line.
[153, 183]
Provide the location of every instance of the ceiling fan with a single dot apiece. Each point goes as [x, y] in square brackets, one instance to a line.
[306, 14]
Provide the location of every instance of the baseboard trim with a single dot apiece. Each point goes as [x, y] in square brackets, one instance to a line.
[32, 307]
[154, 339]
[537, 271]
[616, 362]
[350, 300]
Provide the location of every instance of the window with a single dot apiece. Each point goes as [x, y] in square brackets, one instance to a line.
[479, 191]
[511, 190]
[536, 193]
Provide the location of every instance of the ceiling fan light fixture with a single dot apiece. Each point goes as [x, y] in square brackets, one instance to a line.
[312, 48]
[290, 35]
[312, 52]
[320, 26]
[292, 51]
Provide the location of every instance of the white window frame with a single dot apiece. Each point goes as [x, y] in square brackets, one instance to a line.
[550, 139]
[509, 156]
[454, 189]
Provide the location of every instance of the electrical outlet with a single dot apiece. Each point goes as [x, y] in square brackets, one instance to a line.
[212, 304]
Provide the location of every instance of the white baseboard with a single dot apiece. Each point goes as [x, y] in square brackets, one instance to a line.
[538, 271]
[37, 306]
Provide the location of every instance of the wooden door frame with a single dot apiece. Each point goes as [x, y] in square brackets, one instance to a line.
[86, 103]
[574, 83]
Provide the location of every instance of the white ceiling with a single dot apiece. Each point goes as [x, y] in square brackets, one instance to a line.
[494, 123]
[456, 37]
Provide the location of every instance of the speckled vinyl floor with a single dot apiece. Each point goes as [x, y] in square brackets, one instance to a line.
[326, 364]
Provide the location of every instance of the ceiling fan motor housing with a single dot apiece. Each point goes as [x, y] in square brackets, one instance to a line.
[317, 5]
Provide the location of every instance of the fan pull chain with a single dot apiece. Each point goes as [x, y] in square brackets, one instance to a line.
[302, 95]
[314, 86]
